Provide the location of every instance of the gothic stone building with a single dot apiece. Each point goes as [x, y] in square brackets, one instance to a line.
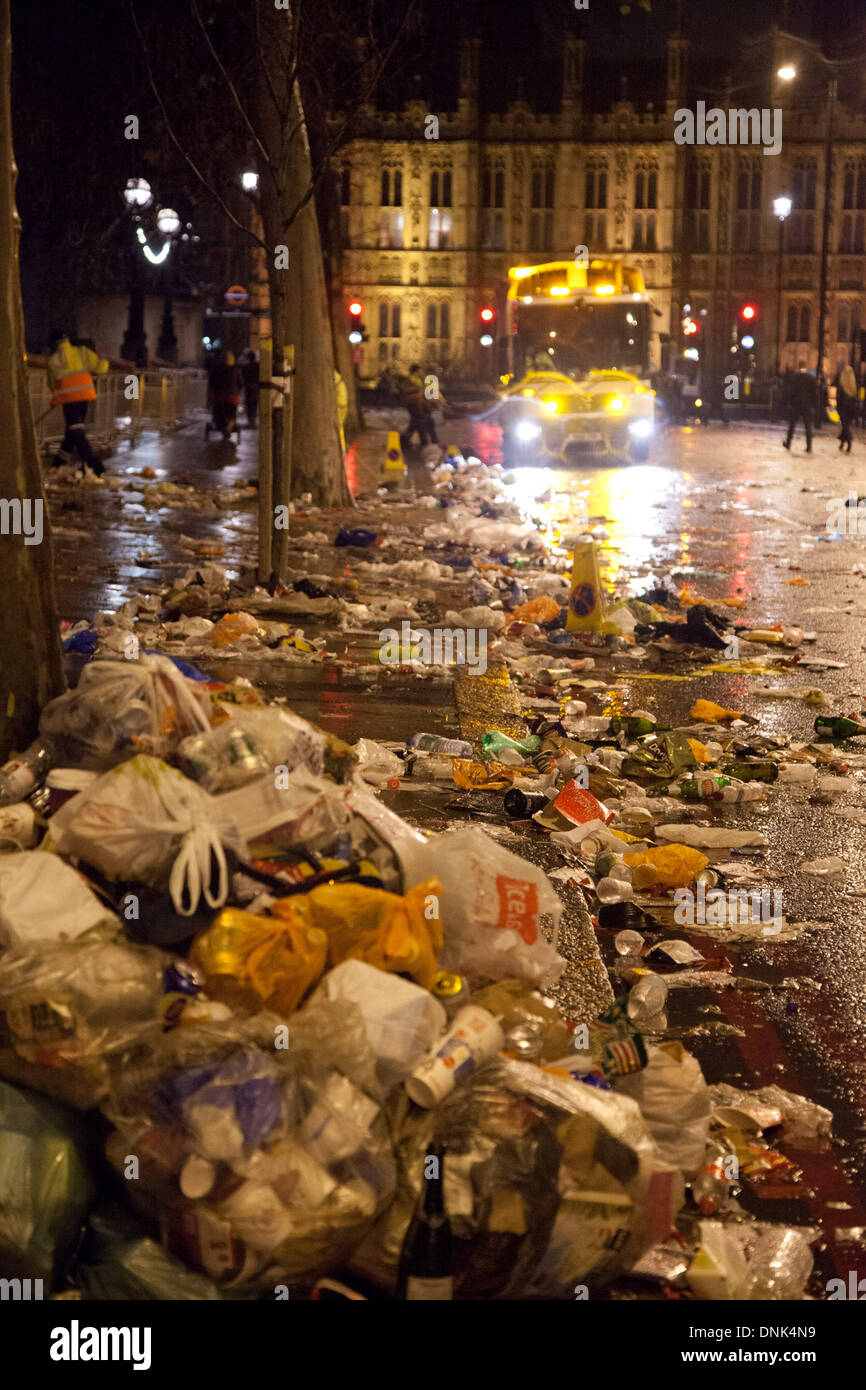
[431, 225]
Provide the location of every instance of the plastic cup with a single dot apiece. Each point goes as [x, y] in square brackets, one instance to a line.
[473, 1038]
[628, 943]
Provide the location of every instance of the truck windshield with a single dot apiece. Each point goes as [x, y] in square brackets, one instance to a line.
[582, 337]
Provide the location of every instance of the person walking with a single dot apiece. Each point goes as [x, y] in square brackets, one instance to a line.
[249, 365]
[226, 386]
[71, 369]
[420, 414]
[802, 393]
[846, 404]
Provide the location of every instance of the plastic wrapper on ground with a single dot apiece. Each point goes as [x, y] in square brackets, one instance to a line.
[548, 1183]
[43, 900]
[674, 1100]
[252, 962]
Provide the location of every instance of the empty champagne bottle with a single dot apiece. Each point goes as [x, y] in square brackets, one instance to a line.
[426, 1270]
[828, 727]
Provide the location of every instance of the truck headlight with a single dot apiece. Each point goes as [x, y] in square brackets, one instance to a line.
[527, 430]
[641, 429]
[616, 404]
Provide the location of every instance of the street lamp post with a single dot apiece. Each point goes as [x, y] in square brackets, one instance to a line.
[137, 196]
[168, 223]
[781, 208]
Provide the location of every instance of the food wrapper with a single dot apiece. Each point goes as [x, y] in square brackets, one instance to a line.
[253, 962]
[515, 1002]
[541, 609]
[402, 934]
[673, 866]
[484, 776]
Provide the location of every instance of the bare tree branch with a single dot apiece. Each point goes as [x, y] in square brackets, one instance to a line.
[231, 86]
[248, 231]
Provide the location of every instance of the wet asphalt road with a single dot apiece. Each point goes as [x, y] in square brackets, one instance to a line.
[732, 514]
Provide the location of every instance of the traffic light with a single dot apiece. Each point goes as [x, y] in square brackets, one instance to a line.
[356, 330]
[749, 313]
[487, 314]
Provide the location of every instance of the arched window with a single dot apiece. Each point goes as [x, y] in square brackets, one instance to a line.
[486, 187]
[602, 189]
[640, 189]
[385, 197]
[398, 188]
[499, 189]
[848, 189]
[791, 326]
[548, 188]
[651, 232]
[431, 321]
[434, 189]
[384, 320]
[446, 189]
[536, 188]
[805, 317]
[445, 321]
[652, 189]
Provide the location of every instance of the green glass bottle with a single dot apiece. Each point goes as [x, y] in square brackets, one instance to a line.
[753, 772]
[494, 741]
[828, 727]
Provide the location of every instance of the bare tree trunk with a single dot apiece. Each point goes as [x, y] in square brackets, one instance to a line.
[332, 246]
[299, 301]
[31, 670]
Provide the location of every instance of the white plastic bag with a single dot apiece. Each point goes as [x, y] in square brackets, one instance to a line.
[44, 900]
[492, 903]
[401, 1020]
[674, 1100]
[145, 820]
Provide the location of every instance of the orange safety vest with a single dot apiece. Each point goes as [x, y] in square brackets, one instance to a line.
[70, 377]
[76, 386]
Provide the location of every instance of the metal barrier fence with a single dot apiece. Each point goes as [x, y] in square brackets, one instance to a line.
[127, 404]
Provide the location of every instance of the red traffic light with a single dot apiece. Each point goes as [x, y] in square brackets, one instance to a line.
[356, 308]
[487, 314]
[748, 311]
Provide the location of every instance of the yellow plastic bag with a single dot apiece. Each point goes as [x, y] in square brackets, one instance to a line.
[230, 627]
[393, 933]
[253, 963]
[709, 713]
[673, 866]
[536, 610]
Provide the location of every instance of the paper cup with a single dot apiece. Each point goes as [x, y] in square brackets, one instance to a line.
[18, 826]
[473, 1038]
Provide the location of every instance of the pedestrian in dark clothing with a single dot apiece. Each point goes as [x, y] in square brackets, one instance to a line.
[846, 404]
[249, 365]
[420, 414]
[802, 394]
[226, 386]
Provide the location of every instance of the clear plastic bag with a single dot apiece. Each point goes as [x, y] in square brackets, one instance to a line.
[262, 1165]
[122, 707]
[64, 1004]
[44, 1186]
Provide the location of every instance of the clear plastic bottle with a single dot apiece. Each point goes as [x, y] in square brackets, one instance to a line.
[437, 743]
[629, 943]
[613, 890]
[710, 1187]
[22, 775]
[647, 999]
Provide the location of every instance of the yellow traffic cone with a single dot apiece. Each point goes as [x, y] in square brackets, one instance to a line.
[586, 600]
[394, 465]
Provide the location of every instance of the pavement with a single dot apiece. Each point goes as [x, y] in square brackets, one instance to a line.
[727, 511]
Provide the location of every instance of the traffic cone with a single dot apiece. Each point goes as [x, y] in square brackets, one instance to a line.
[394, 465]
[586, 600]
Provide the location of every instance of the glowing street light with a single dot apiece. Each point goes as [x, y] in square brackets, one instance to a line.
[787, 72]
[168, 222]
[250, 181]
[137, 193]
[782, 208]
